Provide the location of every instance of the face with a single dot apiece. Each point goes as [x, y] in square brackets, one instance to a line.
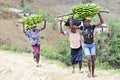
[34, 27]
[73, 30]
[86, 22]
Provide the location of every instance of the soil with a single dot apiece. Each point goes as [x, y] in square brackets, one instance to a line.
[17, 66]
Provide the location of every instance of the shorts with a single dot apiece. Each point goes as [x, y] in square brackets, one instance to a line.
[36, 49]
[76, 55]
[89, 49]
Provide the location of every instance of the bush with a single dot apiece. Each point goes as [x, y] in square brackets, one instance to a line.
[109, 54]
[63, 51]
[48, 51]
[14, 48]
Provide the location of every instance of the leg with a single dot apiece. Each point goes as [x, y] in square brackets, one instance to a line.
[80, 66]
[88, 57]
[38, 55]
[89, 62]
[89, 65]
[34, 53]
[37, 58]
[93, 65]
[93, 53]
[73, 71]
[34, 56]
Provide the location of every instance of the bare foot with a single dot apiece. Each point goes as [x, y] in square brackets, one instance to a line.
[93, 75]
[73, 71]
[89, 75]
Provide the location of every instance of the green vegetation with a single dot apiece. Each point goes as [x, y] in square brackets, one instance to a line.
[61, 53]
[14, 48]
[32, 20]
[109, 53]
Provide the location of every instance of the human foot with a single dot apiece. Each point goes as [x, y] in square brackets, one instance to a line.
[93, 75]
[89, 75]
[73, 71]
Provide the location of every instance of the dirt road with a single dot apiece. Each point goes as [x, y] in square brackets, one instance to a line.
[21, 67]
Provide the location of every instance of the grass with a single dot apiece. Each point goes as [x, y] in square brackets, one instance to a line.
[14, 48]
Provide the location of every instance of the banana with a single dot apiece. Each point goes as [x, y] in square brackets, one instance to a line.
[85, 10]
[32, 20]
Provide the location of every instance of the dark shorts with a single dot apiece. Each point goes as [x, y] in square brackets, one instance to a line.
[76, 55]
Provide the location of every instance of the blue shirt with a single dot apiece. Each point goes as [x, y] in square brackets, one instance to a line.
[33, 36]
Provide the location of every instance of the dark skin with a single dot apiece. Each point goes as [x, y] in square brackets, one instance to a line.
[37, 57]
[73, 30]
[90, 58]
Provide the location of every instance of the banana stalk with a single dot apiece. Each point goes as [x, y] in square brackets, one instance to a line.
[101, 11]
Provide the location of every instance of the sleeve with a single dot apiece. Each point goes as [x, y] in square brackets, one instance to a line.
[27, 33]
[38, 30]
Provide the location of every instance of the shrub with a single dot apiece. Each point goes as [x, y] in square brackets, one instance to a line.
[14, 48]
[109, 54]
[48, 51]
[63, 51]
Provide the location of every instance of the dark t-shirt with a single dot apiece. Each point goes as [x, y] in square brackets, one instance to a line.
[88, 33]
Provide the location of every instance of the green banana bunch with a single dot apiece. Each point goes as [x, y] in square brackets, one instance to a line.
[65, 18]
[32, 20]
[85, 10]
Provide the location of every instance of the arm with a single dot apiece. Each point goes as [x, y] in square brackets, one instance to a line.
[101, 20]
[44, 25]
[61, 29]
[71, 23]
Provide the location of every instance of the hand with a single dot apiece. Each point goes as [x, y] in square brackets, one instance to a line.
[23, 23]
[71, 15]
[98, 13]
[44, 20]
[60, 19]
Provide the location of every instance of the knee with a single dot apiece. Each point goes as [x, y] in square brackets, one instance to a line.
[93, 61]
[89, 60]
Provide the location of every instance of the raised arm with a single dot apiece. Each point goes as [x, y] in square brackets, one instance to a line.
[101, 20]
[44, 25]
[61, 29]
[71, 23]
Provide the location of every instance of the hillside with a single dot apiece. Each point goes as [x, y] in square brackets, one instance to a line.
[10, 33]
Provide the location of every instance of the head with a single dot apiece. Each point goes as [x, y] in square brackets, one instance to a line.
[73, 30]
[34, 27]
[86, 21]
[76, 22]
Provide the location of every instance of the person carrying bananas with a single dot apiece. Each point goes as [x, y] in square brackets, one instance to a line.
[75, 43]
[34, 36]
[88, 44]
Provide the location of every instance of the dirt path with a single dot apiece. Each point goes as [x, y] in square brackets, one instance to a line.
[21, 67]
